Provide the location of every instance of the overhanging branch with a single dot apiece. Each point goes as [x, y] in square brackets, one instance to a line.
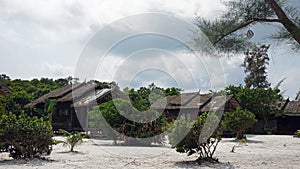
[290, 26]
[244, 25]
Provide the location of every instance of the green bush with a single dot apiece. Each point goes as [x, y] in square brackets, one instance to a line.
[24, 136]
[297, 133]
[238, 121]
[192, 143]
[113, 118]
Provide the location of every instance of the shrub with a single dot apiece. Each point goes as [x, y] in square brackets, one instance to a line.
[72, 139]
[192, 143]
[297, 133]
[238, 121]
[114, 120]
[24, 136]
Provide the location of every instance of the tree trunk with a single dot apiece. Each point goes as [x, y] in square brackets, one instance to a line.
[286, 22]
[72, 148]
[240, 135]
[266, 123]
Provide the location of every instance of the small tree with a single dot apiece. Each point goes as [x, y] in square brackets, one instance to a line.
[238, 121]
[72, 139]
[262, 102]
[24, 136]
[192, 143]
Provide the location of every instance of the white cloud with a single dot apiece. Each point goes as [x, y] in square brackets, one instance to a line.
[179, 69]
[44, 38]
[56, 70]
[58, 20]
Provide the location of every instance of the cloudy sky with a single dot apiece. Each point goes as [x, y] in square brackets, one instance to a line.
[48, 38]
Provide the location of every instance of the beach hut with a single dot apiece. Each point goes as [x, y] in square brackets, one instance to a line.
[289, 123]
[73, 103]
[190, 105]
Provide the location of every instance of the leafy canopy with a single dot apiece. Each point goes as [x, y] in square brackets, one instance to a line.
[238, 121]
[264, 103]
[228, 33]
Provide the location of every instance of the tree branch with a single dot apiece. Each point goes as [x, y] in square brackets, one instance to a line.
[265, 20]
[286, 22]
[244, 25]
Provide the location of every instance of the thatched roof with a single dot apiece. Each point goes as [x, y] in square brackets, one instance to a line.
[54, 95]
[184, 100]
[4, 90]
[79, 94]
[99, 95]
[292, 108]
[66, 93]
[202, 102]
[216, 103]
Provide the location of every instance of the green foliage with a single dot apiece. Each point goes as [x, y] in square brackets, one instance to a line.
[25, 91]
[106, 117]
[255, 63]
[72, 139]
[297, 133]
[215, 31]
[117, 118]
[2, 105]
[48, 111]
[194, 142]
[264, 103]
[17, 100]
[238, 121]
[228, 33]
[143, 97]
[24, 136]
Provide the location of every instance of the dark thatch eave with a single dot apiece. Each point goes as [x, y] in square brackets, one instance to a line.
[79, 92]
[217, 103]
[55, 94]
[78, 95]
[292, 108]
[201, 102]
[183, 101]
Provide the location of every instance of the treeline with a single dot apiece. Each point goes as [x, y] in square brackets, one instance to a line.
[25, 91]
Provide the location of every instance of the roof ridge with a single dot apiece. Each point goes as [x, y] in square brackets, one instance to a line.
[187, 101]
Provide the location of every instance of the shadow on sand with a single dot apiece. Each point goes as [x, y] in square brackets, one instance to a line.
[71, 152]
[195, 164]
[247, 141]
[32, 162]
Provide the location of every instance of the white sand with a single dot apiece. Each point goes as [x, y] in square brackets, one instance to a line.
[261, 151]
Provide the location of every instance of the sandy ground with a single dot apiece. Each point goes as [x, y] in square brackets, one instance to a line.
[261, 151]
